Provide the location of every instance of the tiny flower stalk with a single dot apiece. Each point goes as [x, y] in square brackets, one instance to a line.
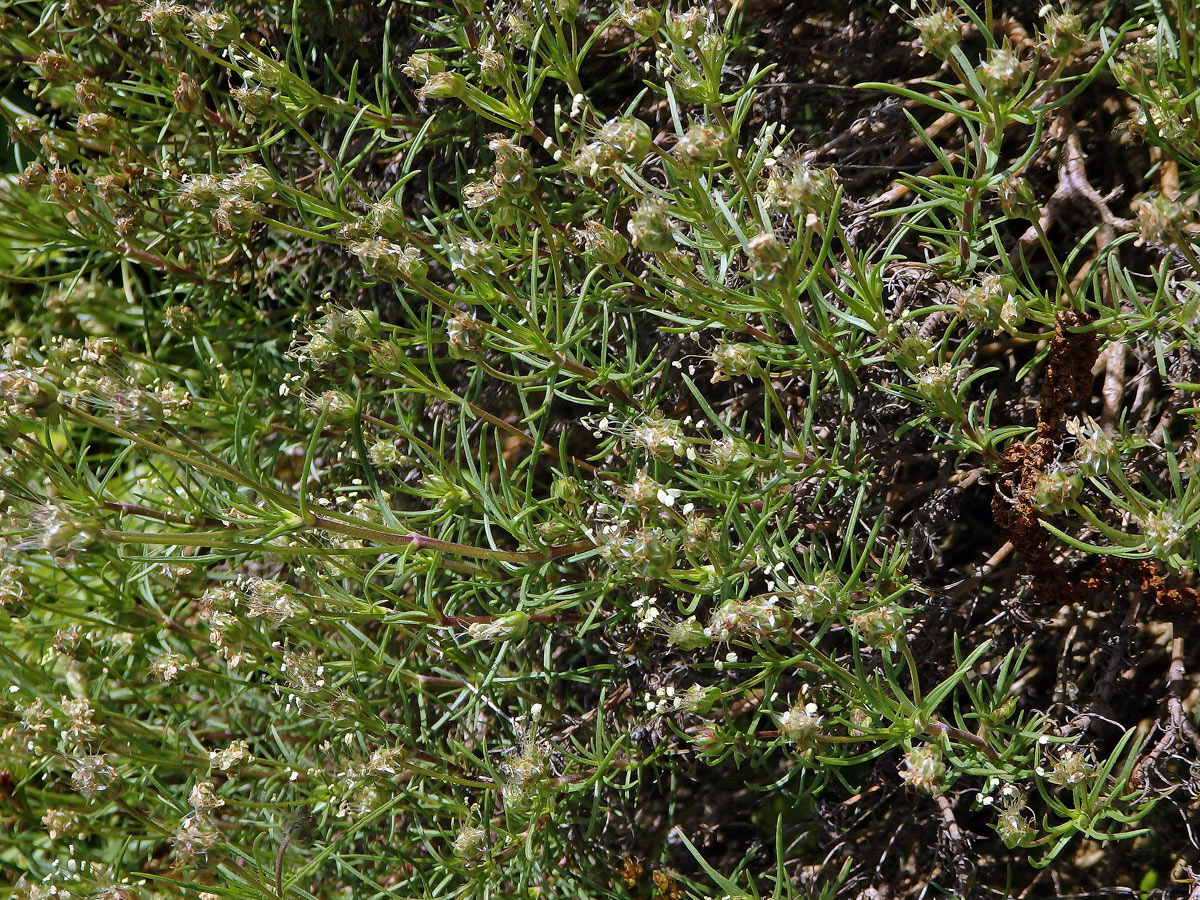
[507, 626]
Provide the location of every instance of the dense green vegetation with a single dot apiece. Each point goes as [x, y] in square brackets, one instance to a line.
[567, 449]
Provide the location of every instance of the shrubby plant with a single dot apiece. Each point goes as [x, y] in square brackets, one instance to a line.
[459, 449]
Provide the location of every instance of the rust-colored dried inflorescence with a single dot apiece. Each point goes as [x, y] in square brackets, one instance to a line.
[1068, 377]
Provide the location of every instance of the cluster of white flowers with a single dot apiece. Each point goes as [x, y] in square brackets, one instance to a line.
[664, 700]
[646, 611]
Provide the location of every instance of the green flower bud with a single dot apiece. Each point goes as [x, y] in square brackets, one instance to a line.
[1097, 454]
[465, 335]
[766, 250]
[628, 138]
[519, 28]
[995, 303]
[384, 454]
[252, 182]
[470, 845]
[514, 166]
[236, 215]
[508, 627]
[1064, 33]
[1003, 72]
[1005, 710]
[768, 257]
[96, 125]
[881, 628]
[27, 129]
[692, 87]
[646, 552]
[135, 409]
[1159, 219]
[734, 361]
[1072, 768]
[1017, 199]
[34, 176]
[698, 700]
[186, 93]
[650, 227]
[387, 260]
[800, 188]
[61, 532]
[411, 266]
[688, 635]
[89, 94]
[442, 86]
[56, 68]
[67, 188]
[92, 775]
[337, 407]
[642, 21]
[1163, 534]
[602, 244]
[712, 46]
[661, 438]
[938, 386]
[492, 66]
[714, 743]
[676, 262]
[256, 104]
[700, 144]
[423, 66]
[643, 492]
[731, 455]
[1055, 491]
[686, 28]
[1013, 824]
[818, 601]
[13, 591]
[470, 257]
[652, 553]
[200, 191]
[565, 489]
[165, 17]
[940, 32]
[699, 535]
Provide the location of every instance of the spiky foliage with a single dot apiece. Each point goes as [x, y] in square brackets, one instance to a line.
[499, 450]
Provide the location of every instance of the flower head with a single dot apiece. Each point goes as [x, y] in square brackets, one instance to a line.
[924, 769]
[92, 775]
[801, 725]
[940, 31]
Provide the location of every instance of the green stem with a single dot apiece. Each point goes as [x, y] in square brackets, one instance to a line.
[736, 165]
[1059, 272]
[330, 521]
